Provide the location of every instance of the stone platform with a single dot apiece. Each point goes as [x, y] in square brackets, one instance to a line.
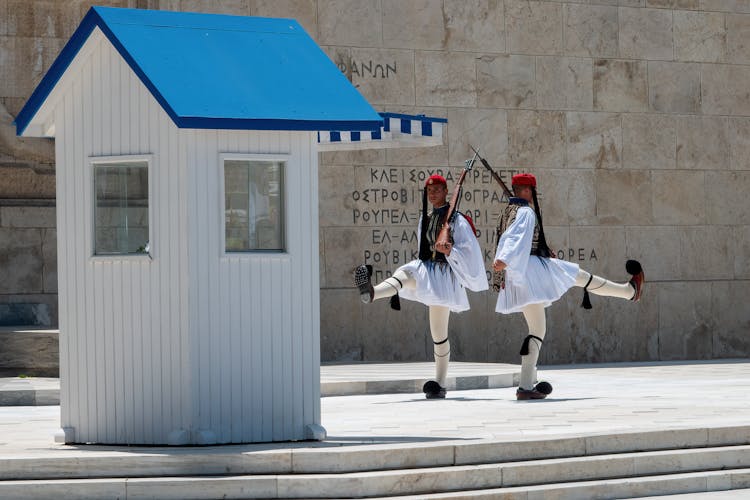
[30, 351]
[335, 380]
[607, 431]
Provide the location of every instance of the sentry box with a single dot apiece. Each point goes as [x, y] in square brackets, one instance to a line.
[187, 222]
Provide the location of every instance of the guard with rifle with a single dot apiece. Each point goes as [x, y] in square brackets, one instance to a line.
[450, 261]
[528, 278]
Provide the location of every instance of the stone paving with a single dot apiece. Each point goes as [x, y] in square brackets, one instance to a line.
[587, 399]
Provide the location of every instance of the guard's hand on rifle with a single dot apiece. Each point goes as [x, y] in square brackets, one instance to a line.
[498, 265]
[444, 247]
[444, 241]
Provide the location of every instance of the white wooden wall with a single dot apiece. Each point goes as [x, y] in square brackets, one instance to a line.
[189, 339]
[254, 317]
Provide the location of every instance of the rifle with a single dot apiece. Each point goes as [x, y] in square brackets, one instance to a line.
[444, 235]
[509, 195]
[494, 175]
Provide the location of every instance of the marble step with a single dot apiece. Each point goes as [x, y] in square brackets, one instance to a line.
[28, 351]
[333, 458]
[348, 379]
[588, 477]
[733, 484]
[29, 391]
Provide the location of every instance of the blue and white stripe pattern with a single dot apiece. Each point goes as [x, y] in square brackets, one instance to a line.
[398, 130]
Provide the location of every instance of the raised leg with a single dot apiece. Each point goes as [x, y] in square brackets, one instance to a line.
[387, 288]
[600, 286]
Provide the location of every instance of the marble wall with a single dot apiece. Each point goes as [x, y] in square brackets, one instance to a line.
[28, 263]
[634, 115]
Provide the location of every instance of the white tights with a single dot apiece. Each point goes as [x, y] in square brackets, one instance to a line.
[537, 323]
[439, 316]
[601, 286]
[392, 285]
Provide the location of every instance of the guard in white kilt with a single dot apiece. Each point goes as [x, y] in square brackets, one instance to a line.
[528, 278]
[438, 279]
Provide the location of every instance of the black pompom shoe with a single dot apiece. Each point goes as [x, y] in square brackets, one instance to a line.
[633, 267]
[540, 391]
[362, 280]
[433, 390]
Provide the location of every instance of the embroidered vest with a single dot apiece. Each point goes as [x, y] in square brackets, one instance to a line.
[435, 220]
[503, 223]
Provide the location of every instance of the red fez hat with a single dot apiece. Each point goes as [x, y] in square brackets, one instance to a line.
[524, 180]
[435, 179]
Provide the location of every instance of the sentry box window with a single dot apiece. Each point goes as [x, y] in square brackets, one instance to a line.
[254, 205]
[121, 218]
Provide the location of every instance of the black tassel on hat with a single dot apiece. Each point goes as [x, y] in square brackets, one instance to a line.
[586, 304]
[424, 245]
[544, 249]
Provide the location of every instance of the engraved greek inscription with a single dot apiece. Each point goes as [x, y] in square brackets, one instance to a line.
[408, 237]
[576, 254]
[381, 216]
[483, 196]
[380, 236]
[419, 176]
[389, 257]
[380, 275]
[380, 195]
[368, 69]
[478, 216]
[483, 176]
[388, 175]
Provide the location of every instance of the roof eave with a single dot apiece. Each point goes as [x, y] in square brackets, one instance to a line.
[38, 97]
[276, 124]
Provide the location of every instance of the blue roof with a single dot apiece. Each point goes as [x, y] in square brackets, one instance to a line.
[222, 72]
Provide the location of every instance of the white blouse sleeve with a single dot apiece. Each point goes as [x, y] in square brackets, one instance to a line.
[514, 246]
[466, 258]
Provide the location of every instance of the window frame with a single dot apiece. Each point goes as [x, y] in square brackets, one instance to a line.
[276, 157]
[95, 161]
